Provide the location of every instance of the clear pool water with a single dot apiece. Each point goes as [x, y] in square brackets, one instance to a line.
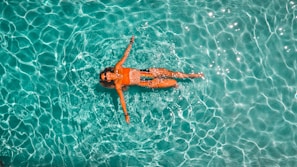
[54, 113]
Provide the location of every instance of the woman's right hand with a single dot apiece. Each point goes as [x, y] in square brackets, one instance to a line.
[127, 119]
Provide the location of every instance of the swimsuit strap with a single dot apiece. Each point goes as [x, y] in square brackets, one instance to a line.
[145, 70]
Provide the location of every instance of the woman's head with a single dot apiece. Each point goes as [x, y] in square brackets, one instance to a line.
[103, 80]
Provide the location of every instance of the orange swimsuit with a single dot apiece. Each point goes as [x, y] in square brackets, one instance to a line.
[126, 76]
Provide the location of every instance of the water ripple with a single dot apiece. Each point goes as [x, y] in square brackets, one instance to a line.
[54, 112]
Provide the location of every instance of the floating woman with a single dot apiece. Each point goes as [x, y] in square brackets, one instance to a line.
[119, 77]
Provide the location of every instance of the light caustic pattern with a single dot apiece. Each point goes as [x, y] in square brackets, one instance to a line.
[54, 112]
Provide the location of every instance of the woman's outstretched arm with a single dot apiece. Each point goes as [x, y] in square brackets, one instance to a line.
[126, 53]
[122, 100]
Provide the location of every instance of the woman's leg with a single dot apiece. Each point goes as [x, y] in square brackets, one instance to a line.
[158, 83]
[162, 72]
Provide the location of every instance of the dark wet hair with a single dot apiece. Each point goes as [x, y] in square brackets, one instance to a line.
[111, 83]
[106, 83]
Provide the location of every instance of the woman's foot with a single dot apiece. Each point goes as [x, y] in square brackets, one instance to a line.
[199, 75]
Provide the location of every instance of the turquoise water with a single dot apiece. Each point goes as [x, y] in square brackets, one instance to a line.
[54, 113]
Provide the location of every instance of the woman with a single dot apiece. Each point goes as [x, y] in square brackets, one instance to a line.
[119, 77]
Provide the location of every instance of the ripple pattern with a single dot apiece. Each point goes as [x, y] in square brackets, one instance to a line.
[54, 113]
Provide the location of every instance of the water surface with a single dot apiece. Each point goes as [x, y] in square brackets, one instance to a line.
[54, 113]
